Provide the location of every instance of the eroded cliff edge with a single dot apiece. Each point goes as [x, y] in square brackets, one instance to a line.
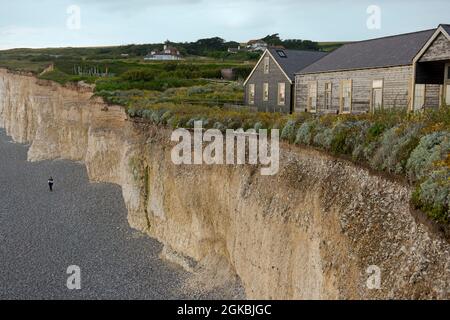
[311, 231]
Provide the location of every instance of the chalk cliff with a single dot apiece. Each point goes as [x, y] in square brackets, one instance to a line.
[312, 231]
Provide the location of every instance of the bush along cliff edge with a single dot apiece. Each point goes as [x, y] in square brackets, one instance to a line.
[413, 146]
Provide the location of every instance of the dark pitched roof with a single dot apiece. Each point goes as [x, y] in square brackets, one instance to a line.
[390, 51]
[292, 61]
[446, 27]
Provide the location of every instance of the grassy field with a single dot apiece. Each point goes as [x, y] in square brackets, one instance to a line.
[23, 65]
[195, 80]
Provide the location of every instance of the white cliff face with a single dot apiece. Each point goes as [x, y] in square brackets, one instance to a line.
[312, 231]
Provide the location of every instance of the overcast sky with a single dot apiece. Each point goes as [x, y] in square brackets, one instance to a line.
[56, 23]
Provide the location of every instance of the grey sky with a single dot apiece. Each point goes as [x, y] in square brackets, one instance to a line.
[43, 23]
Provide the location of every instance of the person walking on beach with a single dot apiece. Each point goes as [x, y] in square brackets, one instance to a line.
[50, 184]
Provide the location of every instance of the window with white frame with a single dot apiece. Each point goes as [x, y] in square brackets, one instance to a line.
[265, 92]
[312, 97]
[328, 95]
[266, 65]
[251, 94]
[419, 97]
[377, 95]
[346, 96]
[281, 94]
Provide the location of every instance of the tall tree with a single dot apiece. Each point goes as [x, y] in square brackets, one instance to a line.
[273, 40]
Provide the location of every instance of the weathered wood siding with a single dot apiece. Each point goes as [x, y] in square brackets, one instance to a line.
[432, 96]
[273, 78]
[438, 51]
[396, 88]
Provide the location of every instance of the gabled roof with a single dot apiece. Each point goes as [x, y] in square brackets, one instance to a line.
[391, 51]
[441, 29]
[292, 61]
[289, 61]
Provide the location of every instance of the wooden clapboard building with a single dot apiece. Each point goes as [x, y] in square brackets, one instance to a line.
[403, 71]
[269, 87]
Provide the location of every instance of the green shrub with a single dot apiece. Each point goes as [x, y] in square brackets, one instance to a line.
[191, 122]
[433, 195]
[132, 112]
[305, 133]
[395, 148]
[338, 145]
[173, 122]
[138, 113]
[139, 75]
[323, 138]
[365, 140]
[344, 137]
[258, 126]
[432, 148]
[375, 131]
[234, 87]
[233, 123]
[219, 126]
[248, 124]
[288, 132]
[165, 117]
[199, 90]
[155, 117]
[147, 114]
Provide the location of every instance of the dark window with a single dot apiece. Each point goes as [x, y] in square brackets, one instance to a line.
[448, 73]
[281, 53]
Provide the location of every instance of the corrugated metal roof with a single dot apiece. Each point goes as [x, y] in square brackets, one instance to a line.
[292, 61]
[390, 51]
